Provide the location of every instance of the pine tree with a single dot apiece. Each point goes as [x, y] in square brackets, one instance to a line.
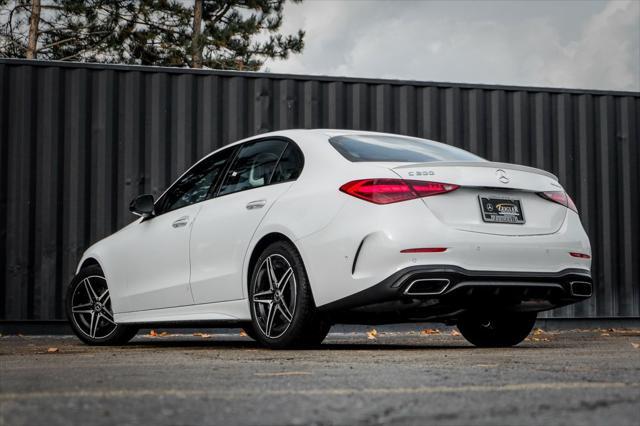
[231, 31]
[227, 34]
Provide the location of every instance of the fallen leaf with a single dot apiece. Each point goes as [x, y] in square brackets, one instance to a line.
[455, 333]
[538, 331]
[153, 333]
[635, 345]
[203, 335]
[243, 333]
[371, 335]
[164, 333]
[430, 331]
[539, 339]
[52, 350]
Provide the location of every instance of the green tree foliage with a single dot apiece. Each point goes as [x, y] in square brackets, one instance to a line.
[226, 34]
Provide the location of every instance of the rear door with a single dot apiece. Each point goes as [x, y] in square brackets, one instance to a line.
[225, 224]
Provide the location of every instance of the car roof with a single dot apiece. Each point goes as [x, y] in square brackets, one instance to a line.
[306, 136]
[299, 134]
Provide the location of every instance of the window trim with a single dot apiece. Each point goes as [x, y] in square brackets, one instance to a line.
[257, 140]
[233, 148]
[215, 187]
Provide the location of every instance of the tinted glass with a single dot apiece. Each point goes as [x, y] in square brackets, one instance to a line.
[253, 166]
[194, 186]
[289, 166]
[358, 148]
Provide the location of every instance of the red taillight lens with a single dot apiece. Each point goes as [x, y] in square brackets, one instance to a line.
[425, 189]
[580, 255]
[379, 191]
[386, 191]
[425, 250]
[559, 197]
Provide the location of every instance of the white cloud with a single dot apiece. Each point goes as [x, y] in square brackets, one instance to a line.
[593, 45]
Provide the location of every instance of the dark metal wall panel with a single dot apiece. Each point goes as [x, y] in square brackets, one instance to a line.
[75, 185]
[20, 173]
[78, 142]
[4, 145]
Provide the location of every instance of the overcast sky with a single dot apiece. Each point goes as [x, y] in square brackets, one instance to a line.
[589, 44]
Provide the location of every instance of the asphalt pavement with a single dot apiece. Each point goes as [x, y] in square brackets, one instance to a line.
[585, 377]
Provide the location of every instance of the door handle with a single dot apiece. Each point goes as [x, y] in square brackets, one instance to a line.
[179, 223]
[257, 204]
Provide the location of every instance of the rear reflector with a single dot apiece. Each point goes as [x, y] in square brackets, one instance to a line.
[386, 191]
[559, 197]
[424, 250]
[580, 255]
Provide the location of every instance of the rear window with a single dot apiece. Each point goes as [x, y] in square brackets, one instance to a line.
[359, 148]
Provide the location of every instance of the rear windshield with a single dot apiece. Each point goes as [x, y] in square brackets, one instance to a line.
[358, 148]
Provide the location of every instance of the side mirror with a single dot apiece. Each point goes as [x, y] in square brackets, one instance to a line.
[142, 205]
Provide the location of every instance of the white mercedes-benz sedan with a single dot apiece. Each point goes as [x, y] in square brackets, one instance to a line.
[290, 232]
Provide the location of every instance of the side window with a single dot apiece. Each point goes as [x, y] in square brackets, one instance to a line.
[194, 186]
[253, 166]
[289, 166]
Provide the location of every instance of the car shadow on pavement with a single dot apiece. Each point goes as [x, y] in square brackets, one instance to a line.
[332, 346]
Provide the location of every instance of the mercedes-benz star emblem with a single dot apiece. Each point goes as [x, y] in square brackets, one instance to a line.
[502, 176]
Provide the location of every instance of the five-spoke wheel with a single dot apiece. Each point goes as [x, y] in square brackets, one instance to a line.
[274, 295]
[283, 312]
[89, 310]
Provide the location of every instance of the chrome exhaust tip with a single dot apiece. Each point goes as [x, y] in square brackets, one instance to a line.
[581, 288]
[427, 287]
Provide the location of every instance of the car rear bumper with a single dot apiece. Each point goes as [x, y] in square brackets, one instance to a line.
[444, 292]
[362, 246]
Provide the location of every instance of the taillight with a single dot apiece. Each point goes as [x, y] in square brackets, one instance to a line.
[580, 255]
[386, 191]
[559, 197]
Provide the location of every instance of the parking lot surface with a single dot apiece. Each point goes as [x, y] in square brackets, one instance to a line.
[587, 377]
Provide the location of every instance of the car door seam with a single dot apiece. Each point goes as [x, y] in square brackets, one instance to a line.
[191, 223]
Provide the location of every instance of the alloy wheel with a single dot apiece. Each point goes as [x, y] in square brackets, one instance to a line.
[274, 296]
[91, 308]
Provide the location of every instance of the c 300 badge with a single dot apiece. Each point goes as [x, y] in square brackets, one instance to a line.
[422, 173]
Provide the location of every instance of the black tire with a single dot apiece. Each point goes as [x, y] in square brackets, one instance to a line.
[316, 334]
[498, 331]
[93, 313]
[305, 328]
[313, 338]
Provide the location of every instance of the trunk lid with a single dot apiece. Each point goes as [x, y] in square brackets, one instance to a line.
[501, 184]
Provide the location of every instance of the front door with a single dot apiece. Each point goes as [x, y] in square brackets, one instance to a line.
[158, 266]
[157, 261]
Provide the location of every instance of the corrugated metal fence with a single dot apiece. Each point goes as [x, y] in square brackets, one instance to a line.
[78, 142]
